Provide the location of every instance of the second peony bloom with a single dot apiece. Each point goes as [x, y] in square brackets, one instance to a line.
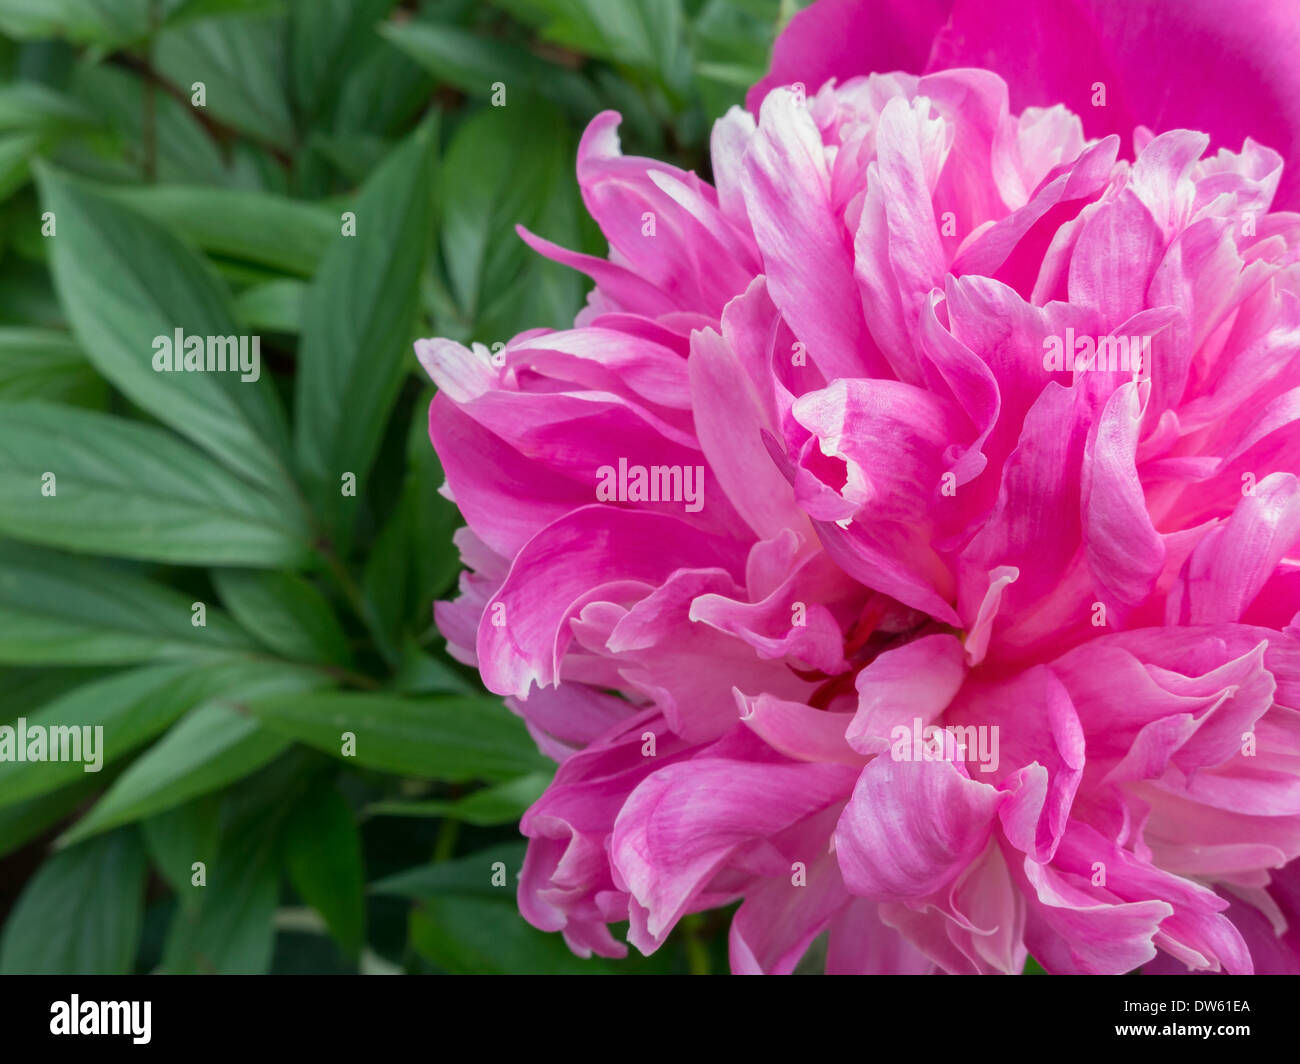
[833, 592]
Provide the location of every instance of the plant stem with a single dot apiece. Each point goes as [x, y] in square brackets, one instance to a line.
[448, 832]
[356, 599]
[149, 103]
[697, 951]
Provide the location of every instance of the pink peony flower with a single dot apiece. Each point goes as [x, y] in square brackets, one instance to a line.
[903, 543]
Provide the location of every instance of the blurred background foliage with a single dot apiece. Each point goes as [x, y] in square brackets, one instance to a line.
[222, 741]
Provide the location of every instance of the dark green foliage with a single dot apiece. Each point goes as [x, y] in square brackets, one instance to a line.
[229, 576]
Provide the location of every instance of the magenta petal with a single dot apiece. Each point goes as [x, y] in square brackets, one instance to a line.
[779, 919]
[681, 824]
[1232, 564]
[1124, 551]
[809, 268]
[1150, 55]
[798, 730]
[1069, 930]
[524, 632]
[731, 409]
[862, 944]
[844, 38]
[1121, 230]
[916, 681]
[911, 826]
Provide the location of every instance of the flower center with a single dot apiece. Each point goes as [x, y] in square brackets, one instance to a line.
[884, 624]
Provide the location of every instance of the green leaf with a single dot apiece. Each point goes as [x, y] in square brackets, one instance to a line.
[125, 283]
[434, 519]
[60, 610]
[508, 166]
[131, 707]
[504, 803]
[487, 936]
[16, 151]
[449, 738]
[27, 296]
[81, 913]
[31, 107]
[413, 559]
[385, 581]
[23, 821]
[181, 836]
[732, 43]
[381, 96]
[254, 168]
[419, 673]
[28, 688]
[476, 64]
[211, 746]
[285, 613]
[130, 490]
[728, 32]
[275, 306]
[44, 364]
[103, 22]
[468, 876]
[182, 149]
[180, 11]
[357, 326]
[323, 851]
[225, 925]
[647, 35]
[240, 60]
[272, 231]
[354, 155]
[326, 39]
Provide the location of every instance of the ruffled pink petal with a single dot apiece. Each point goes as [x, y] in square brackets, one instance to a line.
[680, 825]
[1149, 55]
[524, 631]
[808, 265]
[911, 826]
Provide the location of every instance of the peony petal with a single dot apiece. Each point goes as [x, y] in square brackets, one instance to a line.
[1231, 565]
[1149, 55]
[809, 268]
[842, 38]
[911, 826]
[680, 825]
[731, 414]
[1124, 552]
[914, 682]
[799, 731]
[524, 631]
